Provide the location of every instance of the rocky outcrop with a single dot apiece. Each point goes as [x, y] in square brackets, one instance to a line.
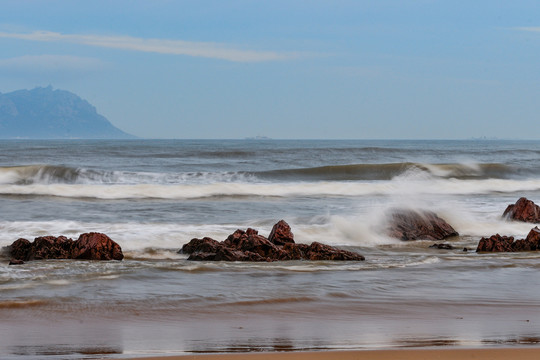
[89, 246]
[523, 210]
[281, 233]
[498, 243]
[96, 246]
[250, 246]
[318, 251]
[406, 224]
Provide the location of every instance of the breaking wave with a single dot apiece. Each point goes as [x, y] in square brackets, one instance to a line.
[391, 170]
[51, 174]
[298, 189]
[57, 174]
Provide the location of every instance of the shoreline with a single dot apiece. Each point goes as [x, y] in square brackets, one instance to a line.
[522, 353]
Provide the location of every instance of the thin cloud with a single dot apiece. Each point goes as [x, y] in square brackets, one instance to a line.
[52, 63]
[529, 29]
[160, 46]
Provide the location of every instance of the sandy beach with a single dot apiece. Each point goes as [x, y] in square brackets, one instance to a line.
[424, 354]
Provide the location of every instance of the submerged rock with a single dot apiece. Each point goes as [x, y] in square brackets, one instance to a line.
[89, 246]
[498, 243]
[250, 246]
[523, 210]
[406, 224]
[442, 246]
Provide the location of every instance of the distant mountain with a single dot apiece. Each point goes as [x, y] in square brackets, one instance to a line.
[44, 113]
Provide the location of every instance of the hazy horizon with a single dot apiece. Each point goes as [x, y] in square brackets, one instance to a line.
[285, 70]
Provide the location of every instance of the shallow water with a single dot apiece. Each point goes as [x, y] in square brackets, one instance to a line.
[154, 196]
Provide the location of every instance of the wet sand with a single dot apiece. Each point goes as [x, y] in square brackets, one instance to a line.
[424, 354]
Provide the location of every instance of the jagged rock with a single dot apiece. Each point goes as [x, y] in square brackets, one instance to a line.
[250, 246]
[96, 246]
[50, 247]
[318, 251]
[495, 243]
[281, 234]
[204, 245]
[498, 243]
[523, 210]
[405, 224]
[21, 249]
[90, 246]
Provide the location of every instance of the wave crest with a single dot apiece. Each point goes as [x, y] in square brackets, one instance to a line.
[57, 174]
[392, 170]
[300, 189]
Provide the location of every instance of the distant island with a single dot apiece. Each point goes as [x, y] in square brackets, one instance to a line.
[45, 113]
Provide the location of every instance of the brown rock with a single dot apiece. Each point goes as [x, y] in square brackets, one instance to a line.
[293, 251]
[50, 247]
[96, 246]
[523, 210]
[530, 243]
[498, 243]
[534, 235]
[442, 246]
[92, 246]
[281, 233]
[235, 238]
[260, 245]
[495, 243]
[407, 224]
[250, 246]
[16, 262]
[318, 251]
[204, 245]
[223, 253]
[21, 249]
[251, 241]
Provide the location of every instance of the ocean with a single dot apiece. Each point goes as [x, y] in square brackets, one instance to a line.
[153, 196]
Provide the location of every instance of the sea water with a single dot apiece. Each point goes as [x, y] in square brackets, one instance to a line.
[153, 196]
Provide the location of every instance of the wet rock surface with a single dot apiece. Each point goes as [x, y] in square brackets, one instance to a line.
[442, 246]
[89, 246]
[498, 243]
[523, 210]
[406, 224]
[248, 245]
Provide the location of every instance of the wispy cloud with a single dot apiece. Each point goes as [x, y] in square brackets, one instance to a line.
[161, 46]
[530, 29]
[52, 63]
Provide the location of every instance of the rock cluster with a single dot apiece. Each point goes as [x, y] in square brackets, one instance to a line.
[405, 224]
[523, 210]
[89, 246]
[250, 246]
[498, 243]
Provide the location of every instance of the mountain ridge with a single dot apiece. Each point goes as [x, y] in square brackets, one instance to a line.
[45, 113]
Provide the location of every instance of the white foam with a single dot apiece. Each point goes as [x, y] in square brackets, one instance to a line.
[132, 236]
[51, 174]
[397, 187]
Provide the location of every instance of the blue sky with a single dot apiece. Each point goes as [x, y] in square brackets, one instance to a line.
[285, 69]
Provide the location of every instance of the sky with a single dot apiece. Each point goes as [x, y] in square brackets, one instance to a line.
[335, 69]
